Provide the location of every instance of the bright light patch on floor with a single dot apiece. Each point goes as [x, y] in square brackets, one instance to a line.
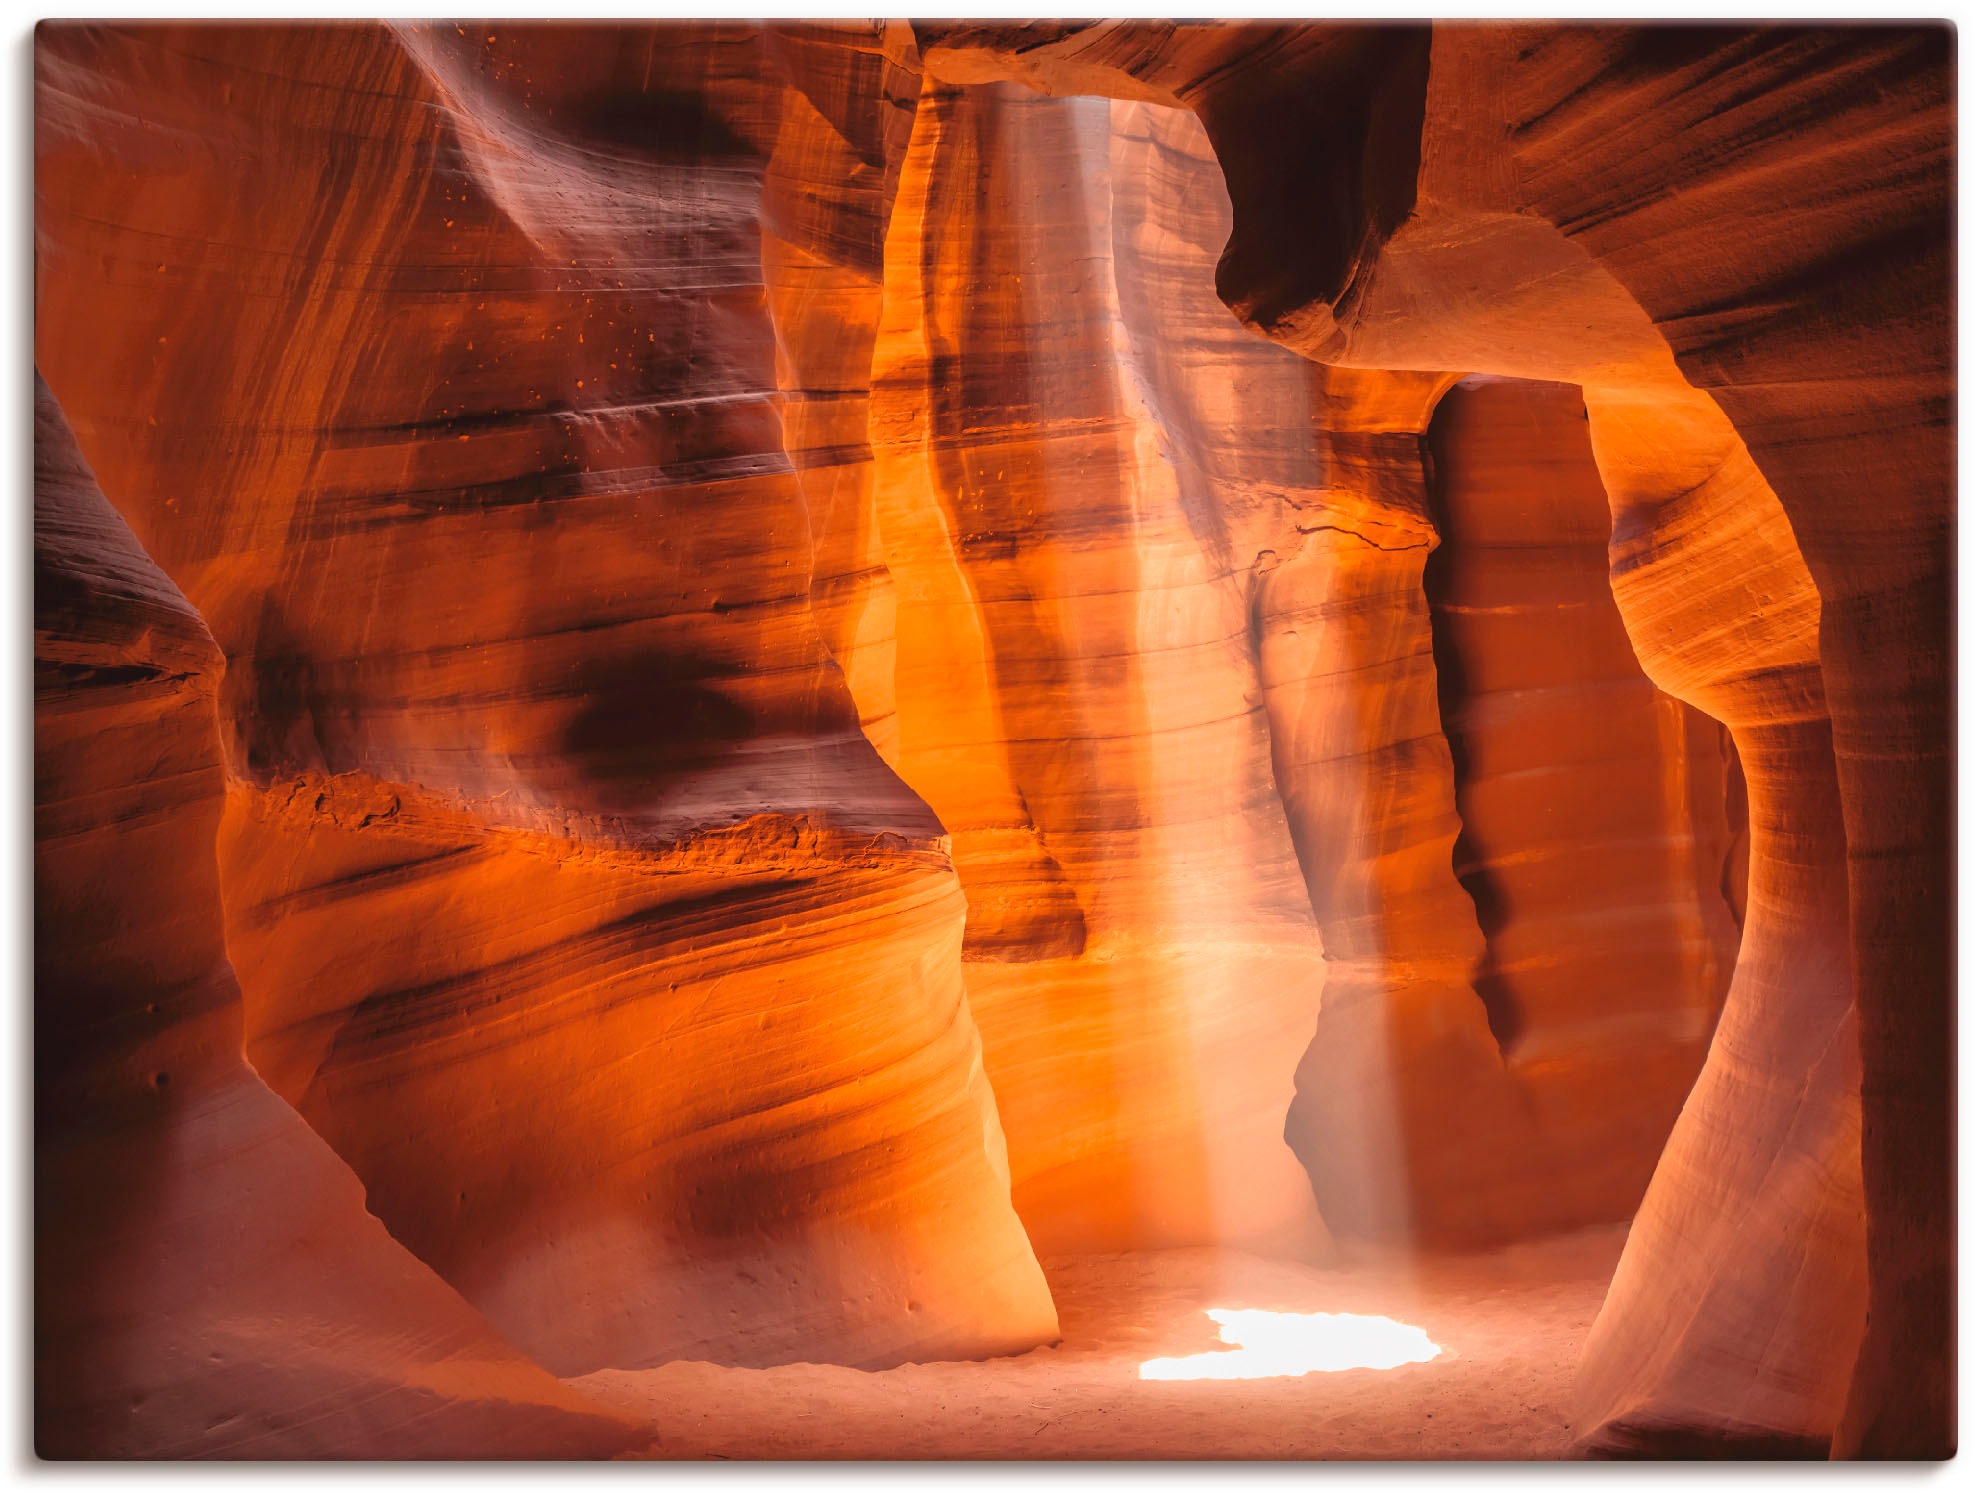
[1271, 1344]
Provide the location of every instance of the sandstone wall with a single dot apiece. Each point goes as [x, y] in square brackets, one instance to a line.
[207, 1281]
[806, 715]
[1699, 226]
[569, 902]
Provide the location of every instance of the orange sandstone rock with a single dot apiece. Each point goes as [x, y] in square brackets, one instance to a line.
[1760, 216]
[1539, 942]
[1074, 690]
[799, 691]
[207, 1282]
[568, 900]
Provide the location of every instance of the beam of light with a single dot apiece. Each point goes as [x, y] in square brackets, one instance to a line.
[1271, 1344]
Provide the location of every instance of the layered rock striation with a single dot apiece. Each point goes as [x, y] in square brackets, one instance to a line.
[207, 1280]
[569, 902]
[803, 714]
[1723, 233]
[1074, 688]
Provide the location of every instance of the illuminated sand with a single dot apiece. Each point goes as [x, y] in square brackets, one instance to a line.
[1277, 1345]
[1510, 1326]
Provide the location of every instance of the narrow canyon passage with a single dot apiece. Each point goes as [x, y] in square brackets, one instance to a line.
[866, 715]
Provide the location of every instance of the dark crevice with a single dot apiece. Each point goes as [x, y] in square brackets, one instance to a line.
[1732, 876]
[1488, 898]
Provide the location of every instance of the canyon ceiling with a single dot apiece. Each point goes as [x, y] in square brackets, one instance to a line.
[699, 688]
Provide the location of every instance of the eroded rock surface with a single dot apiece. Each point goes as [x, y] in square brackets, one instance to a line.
[569, 902]
[806, 713]
[1074, 687]
[1540, 964]
[1670, 219]
[207, 1281]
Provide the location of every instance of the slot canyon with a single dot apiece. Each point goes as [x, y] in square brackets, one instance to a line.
[941, 739]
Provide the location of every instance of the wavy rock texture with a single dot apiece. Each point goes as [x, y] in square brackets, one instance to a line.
[207, 1282]
[1745, 1266]
[1074, 690]
[1685, 168]
[1539, 1014]
[1659, 206]
[1826, 344]
[1759, 215]
[553, 825]
[765, 595]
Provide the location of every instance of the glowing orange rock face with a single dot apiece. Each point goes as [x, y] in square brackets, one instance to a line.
[1653, 213]
[806, 715]
[568, 901]
[1074, 692]
[1542, 1030]
[207, 1281]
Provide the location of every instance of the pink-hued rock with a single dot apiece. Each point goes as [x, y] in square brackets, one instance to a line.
[1761, 1184]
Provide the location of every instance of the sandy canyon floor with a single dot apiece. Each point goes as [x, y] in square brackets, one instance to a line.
[1510, 1326]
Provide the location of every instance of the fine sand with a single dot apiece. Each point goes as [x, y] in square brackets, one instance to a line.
[1510, 1326]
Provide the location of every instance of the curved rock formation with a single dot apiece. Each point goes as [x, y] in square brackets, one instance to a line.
[1074, 690]
[553, 823]
[1648, 212]
[207, 1282]
[765, 596]
[1762, 248]
[1745, 1266]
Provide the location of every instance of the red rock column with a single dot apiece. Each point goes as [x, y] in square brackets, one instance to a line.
[1745, 1266]
[1523, 1076]
[1075, 686]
